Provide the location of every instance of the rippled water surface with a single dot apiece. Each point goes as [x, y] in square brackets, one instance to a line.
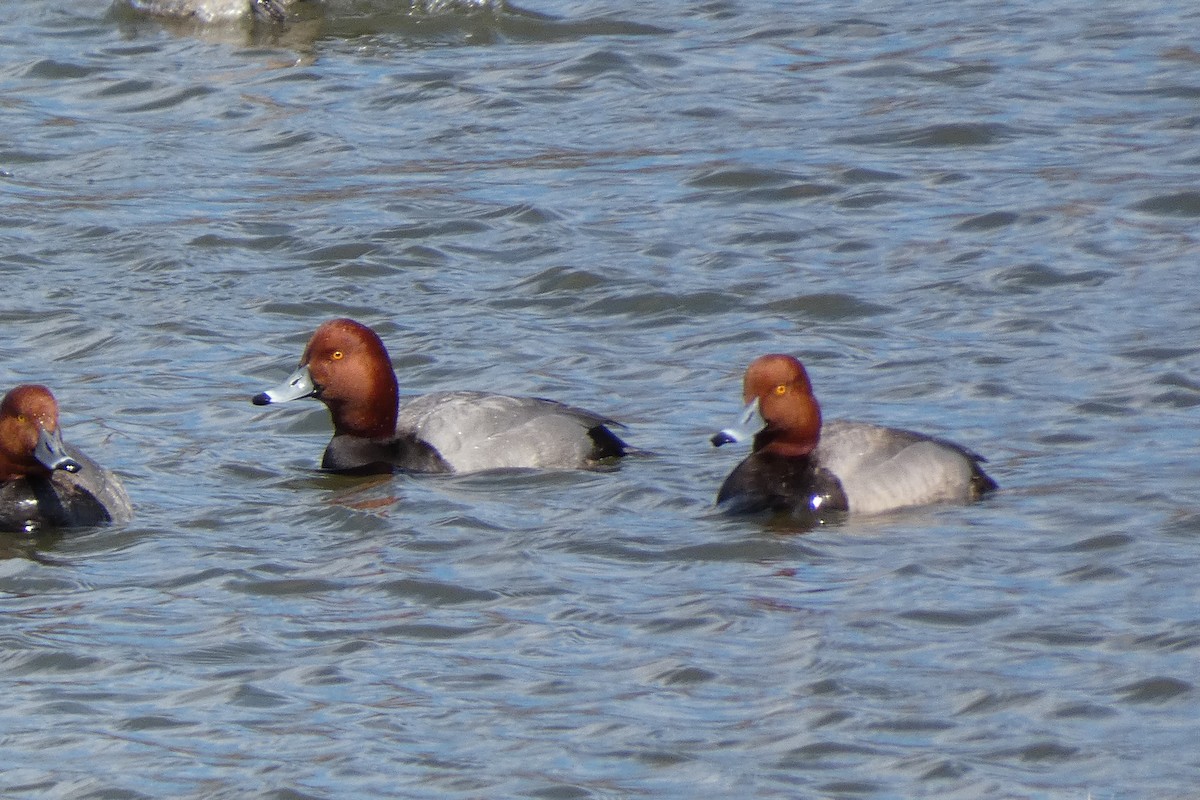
[975, 219]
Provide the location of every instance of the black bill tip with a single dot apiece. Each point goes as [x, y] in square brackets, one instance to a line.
[721, 438]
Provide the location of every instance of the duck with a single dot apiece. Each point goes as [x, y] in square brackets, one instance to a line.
[281, 11]
[45, 483]
[217, 10]
[347, 367]
[802, 465]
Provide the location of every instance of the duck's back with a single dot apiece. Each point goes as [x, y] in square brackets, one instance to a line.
[474, 431]
[886, 468]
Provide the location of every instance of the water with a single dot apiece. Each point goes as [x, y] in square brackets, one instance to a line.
[973, 219]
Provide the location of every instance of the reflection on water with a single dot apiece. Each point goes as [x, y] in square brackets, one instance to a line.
[974, 221]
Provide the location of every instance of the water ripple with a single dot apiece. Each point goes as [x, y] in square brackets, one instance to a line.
[976, 228]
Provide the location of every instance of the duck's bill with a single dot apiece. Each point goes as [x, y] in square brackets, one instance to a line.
[299, 384]
[749, 423]
[51, 453]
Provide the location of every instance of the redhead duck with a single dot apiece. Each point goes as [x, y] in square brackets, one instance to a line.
[347, 367]
[218, 11]
[215, 10]
[800, 465]
[43, 482]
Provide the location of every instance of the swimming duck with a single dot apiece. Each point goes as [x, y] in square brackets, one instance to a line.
[347, 367]
[45, 483]
[217, 10]
[800, 465]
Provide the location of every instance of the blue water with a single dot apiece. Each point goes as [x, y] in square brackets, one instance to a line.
[978, 221]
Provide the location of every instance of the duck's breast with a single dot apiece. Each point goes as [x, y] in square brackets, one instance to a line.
[476, 430]
[91, 496]
[887, 468]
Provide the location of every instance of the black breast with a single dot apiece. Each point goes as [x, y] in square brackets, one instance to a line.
[354, 454]
[33, 504]
[768, 482]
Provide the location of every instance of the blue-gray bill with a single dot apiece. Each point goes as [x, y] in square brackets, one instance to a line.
[299, 384]
[749, 423]
[51, 453]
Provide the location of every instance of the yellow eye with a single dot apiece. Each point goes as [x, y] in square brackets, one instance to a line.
[781, 389]
[336, 355]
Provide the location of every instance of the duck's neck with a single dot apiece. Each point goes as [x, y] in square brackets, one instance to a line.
[12, 468]
[794, 433]
[373, 413]
[781, 444]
